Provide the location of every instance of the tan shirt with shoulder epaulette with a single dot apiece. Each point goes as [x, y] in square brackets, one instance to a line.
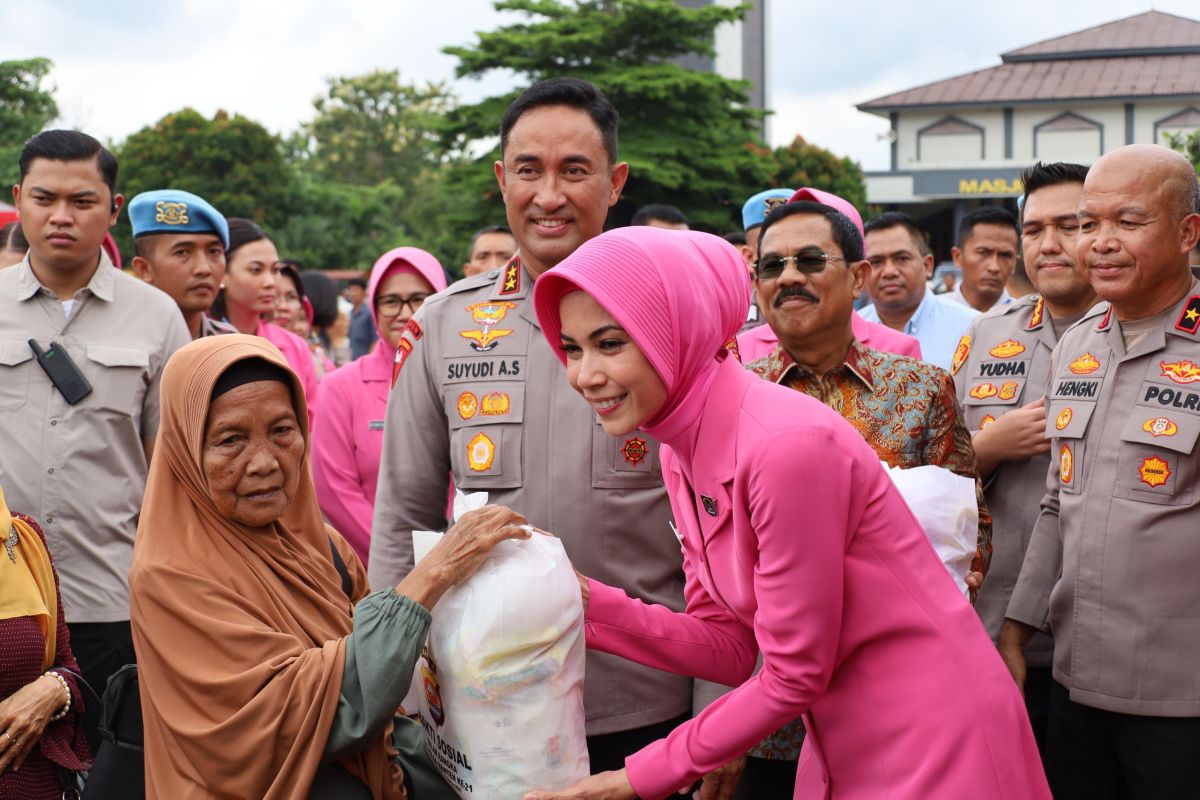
[1121, 517]
[1001, 364]
[480, 394]
[80, 470]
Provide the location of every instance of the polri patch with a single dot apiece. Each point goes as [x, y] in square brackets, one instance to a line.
[1007, 349]
[960, 354]
[403, 348]
[983, 391]
[1160, 426]
[1086, 364]
[1183, 372]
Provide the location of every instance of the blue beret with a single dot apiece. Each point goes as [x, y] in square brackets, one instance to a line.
[175, 211]
[755, 209]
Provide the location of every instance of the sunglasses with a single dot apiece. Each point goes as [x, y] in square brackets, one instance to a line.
[807, 262]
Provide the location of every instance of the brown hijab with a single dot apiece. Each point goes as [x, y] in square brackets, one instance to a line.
[240, 632]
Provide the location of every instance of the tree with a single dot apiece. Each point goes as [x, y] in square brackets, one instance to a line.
[1188, 144]
[231, 161]
[690, 137]
[373, 127]
[803, 164]
[25, 109]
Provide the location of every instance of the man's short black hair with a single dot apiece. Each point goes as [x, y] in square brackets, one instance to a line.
[359, 282]
[845, 232]
[987, 215]
[660, 212]
[571, 92]
[486, 230]
[62, 145]
[898, 219]
[1041, 175]
[735, 238]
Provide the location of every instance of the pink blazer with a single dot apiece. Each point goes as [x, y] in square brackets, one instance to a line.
[348, 442]
[298, 356]
[795, 542]
[758, 342]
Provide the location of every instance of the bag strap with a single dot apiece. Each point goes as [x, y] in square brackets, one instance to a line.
[340, 565]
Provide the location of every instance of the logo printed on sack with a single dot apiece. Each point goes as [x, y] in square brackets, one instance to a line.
[1008, 391]
[171, 213]
[468, 404]
[495, 404]
[634, 450]
[1063, 419]
[1066, 464]
[983, 391]
[1154, 471]
[481, 452]
[487, 316]
[1086, 364]
[960, 354]
[1160, 426]
[1035, 319]
[1181, 371]
[429, 684]
[987, 420]
[1007, 349]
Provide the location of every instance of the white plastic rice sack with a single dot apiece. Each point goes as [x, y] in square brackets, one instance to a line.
[502, 675]
[946, 506]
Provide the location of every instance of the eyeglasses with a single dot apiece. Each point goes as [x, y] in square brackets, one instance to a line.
[390, 305]
[807, 262]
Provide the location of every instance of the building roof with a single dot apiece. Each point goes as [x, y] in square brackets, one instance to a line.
[1147, 55]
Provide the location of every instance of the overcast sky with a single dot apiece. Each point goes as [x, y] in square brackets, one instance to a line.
[123, 64]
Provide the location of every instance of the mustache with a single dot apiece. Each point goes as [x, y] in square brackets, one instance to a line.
[793, 291]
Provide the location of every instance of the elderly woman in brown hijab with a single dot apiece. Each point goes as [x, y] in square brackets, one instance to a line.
[267, 667]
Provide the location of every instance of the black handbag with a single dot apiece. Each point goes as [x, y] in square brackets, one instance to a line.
[119, 770]
[71, 780]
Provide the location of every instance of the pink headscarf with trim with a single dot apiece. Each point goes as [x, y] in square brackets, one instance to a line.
[681, 296]
[403, 259]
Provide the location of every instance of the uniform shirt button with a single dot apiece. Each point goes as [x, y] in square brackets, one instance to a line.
[53, 422]
[49, 519]
[50, 471]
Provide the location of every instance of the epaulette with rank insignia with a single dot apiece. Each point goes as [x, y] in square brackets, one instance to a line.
[1189, 318]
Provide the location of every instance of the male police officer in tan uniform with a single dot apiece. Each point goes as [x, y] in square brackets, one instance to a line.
[1112, 563]
[479, 393]
[1001, 371]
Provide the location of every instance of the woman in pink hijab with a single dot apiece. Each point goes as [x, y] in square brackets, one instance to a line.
[348, 435]
[795, 544]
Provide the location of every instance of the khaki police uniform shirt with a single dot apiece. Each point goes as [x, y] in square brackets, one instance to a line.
[1001, 364]
[1121, 518]
[80, 470]
[480, 394]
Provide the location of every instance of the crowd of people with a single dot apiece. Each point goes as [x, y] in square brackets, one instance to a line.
[215, 462]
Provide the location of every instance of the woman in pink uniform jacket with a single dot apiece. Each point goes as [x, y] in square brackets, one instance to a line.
[249, 294]
[348, 436]
[795, 544]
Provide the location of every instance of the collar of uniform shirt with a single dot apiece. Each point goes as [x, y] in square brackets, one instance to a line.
[782, 364]
[101, 284]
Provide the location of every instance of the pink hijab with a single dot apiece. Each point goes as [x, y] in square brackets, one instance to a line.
[401, 259]
[681, 295]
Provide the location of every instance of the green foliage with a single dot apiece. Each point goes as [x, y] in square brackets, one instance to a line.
[690, 137]
[233, 162]
[26, 108]
[372, 127]
[803, 164]
[1188, 144]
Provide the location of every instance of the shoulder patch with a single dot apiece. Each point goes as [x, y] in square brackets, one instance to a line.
[960, 354]
[1038, 315]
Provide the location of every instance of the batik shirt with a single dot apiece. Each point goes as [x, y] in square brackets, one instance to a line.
[907, 410]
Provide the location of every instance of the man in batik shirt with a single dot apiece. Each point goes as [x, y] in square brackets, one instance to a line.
[810, 269]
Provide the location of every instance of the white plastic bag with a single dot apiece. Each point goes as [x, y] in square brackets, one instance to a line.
[946, 506]
[502, 675]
